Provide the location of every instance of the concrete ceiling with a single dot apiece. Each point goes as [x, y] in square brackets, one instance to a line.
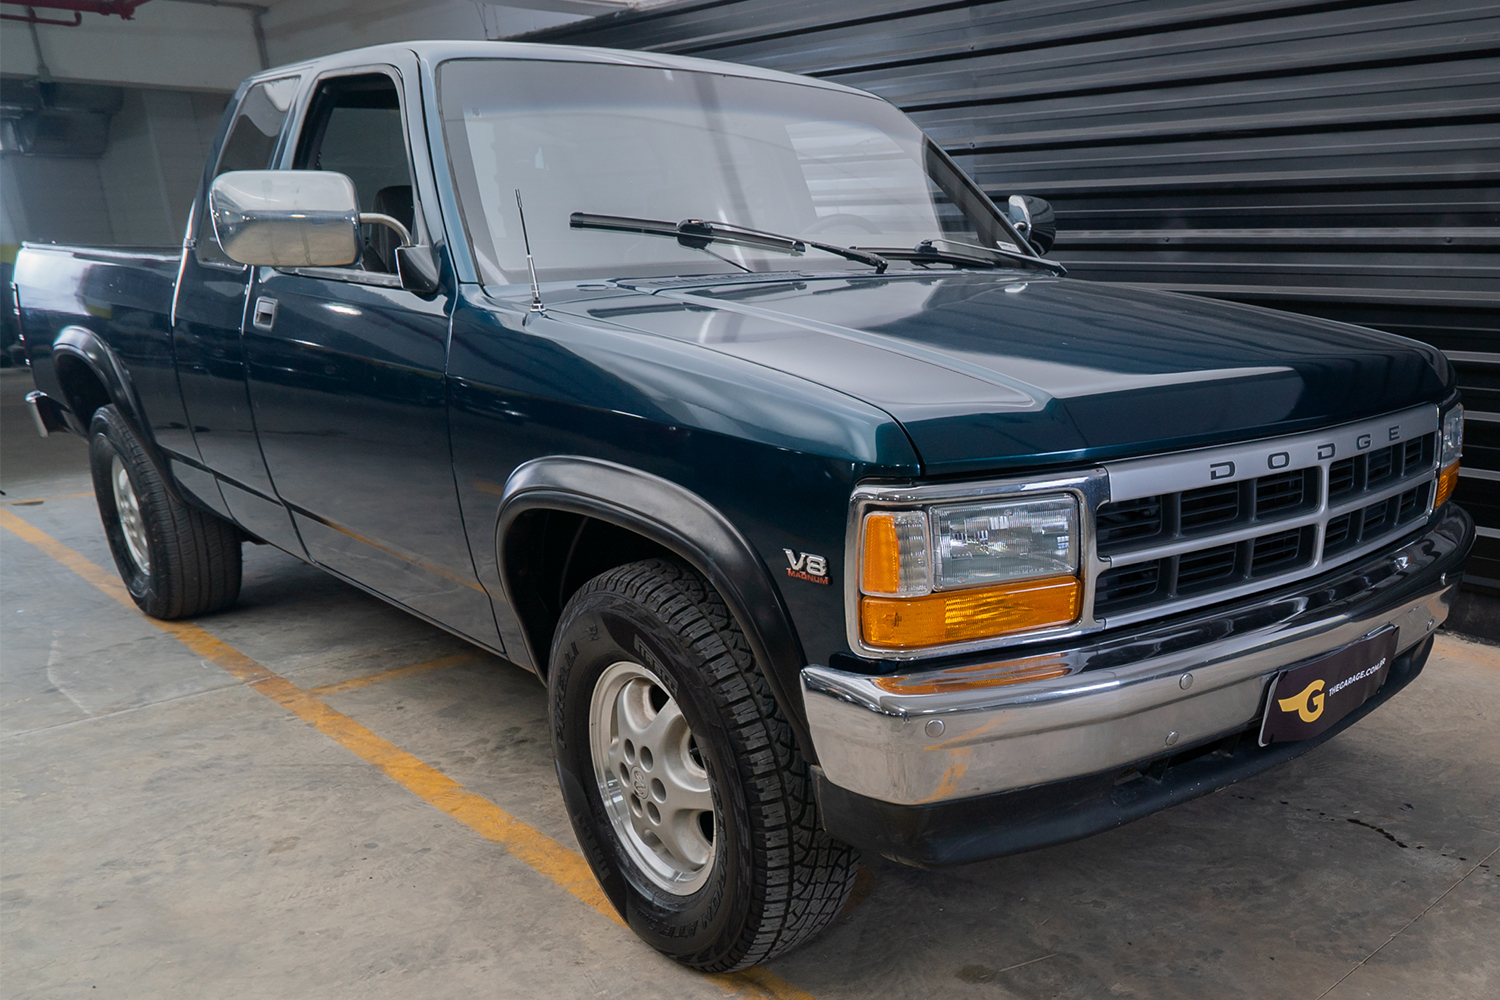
[184, 46]
[197, 45]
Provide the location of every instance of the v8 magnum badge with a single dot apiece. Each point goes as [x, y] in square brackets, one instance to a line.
[806, 566]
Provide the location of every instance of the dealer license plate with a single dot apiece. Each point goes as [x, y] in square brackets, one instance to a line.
[1306, 700]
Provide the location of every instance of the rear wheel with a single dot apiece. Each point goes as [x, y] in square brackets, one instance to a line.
[684, 785]
[176, 561]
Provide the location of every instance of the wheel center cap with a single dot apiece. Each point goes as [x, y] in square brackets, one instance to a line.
[638, 783]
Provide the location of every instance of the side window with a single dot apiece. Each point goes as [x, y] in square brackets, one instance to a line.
[250, 144]
[354, 127]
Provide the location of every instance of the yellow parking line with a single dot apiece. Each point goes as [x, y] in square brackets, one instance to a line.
[523, 841]
[37, 500]
[355, 683]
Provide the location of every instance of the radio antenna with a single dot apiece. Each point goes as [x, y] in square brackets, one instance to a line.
[536, 290]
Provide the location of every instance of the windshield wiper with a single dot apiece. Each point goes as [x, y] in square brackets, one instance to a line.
[697, 234]
[959, 252]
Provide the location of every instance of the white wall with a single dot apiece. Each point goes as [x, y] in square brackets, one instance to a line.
[157, 145]
[139, 192]
[180, 45]
[178, 62]
[47, 198]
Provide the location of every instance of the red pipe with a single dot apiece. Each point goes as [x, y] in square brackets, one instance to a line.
[124, 8]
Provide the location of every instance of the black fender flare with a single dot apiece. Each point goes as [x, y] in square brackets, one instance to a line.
[686, 524]
[88, 347]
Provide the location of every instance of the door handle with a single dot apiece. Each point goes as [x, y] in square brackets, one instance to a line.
[265, 313]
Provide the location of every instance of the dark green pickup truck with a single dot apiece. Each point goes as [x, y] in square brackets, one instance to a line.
[831, 512]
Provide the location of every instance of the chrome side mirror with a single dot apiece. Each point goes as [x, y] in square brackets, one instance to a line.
[1034, 220]
[286, 218]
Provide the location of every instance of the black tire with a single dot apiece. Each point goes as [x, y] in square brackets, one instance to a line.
[774, 878]
[192, 558]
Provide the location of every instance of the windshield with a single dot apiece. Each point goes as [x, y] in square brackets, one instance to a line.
[801, 161]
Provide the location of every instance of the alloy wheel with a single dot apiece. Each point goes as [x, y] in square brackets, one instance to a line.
[651, 777]
[131, 524]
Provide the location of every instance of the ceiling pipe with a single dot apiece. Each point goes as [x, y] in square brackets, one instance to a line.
[124, 9]
[43, 74]
[30, 17]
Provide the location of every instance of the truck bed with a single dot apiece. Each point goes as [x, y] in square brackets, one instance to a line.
[120, 295]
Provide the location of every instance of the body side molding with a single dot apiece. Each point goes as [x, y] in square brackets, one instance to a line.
[684, 523]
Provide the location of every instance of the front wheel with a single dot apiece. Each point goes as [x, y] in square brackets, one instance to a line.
[176, 561]
[683, 782]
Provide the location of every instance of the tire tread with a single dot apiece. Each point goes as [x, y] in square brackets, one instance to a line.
[803, 877]
[201, 567]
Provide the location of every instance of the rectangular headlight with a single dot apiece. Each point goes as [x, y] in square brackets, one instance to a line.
[1450, 450]
[956, 573]
[978, 544]
[1453, 436]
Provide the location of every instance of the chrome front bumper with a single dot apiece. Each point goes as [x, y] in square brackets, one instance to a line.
[1157, 690]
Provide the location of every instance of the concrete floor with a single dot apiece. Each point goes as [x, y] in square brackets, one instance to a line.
[171, 831]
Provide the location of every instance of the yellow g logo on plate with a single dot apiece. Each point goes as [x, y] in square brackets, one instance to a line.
[1308, 703]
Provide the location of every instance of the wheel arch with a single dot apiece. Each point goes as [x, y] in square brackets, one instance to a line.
[91, 375]
[639, 514]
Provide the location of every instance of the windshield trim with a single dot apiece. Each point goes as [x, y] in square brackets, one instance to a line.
[488, 271]
[678, 64]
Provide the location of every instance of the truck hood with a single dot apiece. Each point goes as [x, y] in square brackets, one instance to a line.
[988, 371]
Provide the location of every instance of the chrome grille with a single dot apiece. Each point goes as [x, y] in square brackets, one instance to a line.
[1281, 509]
[1174, 532]
[1363, 472]
[1143, 521]
[1375, 521]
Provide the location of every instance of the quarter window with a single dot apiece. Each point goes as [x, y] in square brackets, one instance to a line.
[250, 145]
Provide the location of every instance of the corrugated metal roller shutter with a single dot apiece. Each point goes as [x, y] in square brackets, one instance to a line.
[1341, 159]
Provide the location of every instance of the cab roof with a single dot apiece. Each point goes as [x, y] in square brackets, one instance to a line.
[435, 52]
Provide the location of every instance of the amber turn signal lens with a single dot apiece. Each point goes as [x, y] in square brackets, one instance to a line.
[965, 615]
[1447, 483]
[880, 569]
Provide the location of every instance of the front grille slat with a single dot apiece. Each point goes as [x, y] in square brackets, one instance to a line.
[1342, 533]
[1286, 494]
[1272, 554]
[1210, 507]
[1413, 502]
[1189, 520]
[1130, 586]
[1341, 478]
[1411, 456]
[1198, 570]
[1130, 521]
[1377, 517]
